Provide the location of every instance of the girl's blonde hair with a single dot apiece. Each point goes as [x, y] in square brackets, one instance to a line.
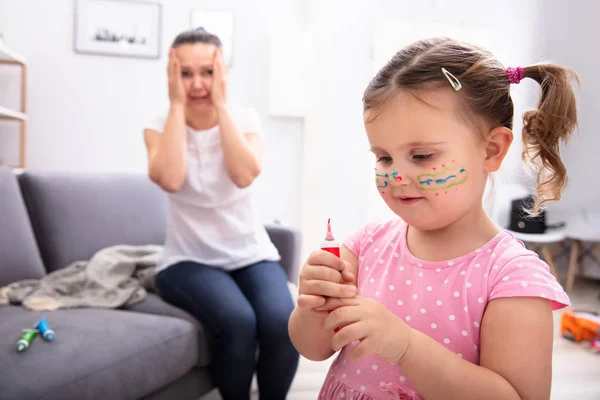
[485, 96]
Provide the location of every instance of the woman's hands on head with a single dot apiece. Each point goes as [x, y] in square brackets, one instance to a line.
[177, 93]
[220, 74]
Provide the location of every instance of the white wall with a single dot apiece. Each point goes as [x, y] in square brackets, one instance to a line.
[335, 145]
[84, 109]
[569, 36]
[338, 171]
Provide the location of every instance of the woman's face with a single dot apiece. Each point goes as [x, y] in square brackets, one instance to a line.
[197, 73]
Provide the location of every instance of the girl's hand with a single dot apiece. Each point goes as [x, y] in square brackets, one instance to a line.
[220, 72]
[324, 275]
[177, 93]
[379, 331]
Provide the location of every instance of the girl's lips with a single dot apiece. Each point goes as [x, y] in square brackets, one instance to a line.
[407, 201]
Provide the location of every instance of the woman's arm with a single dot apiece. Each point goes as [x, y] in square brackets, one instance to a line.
[241, 153]
[306, 324]
[516, 357]
[167, 150]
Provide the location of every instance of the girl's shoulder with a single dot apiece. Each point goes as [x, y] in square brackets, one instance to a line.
[515, 271]
[376, 233]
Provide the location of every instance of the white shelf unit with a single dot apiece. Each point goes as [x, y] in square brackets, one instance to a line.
[9, 57]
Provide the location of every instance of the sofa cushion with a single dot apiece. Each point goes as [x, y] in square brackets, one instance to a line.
[96, 353]
[76, 214]
[19, 254]
[154, 304]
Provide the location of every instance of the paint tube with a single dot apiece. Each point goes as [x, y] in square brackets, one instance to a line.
[332, 246]
[45, 331]
[26, 338]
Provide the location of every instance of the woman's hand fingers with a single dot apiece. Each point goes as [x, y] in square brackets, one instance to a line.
[170, 64]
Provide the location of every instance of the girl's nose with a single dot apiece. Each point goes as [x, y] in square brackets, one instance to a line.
[398, 179]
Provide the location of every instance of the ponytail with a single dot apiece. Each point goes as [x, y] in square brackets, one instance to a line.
[543, 129]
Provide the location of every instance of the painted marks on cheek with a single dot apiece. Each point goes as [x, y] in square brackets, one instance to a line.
[442, 181]
[381, 183]
[396, 177]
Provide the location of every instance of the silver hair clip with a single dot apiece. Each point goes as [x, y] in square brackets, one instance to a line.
[456, 85]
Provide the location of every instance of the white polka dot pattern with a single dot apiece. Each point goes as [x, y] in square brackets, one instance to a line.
[445, 300]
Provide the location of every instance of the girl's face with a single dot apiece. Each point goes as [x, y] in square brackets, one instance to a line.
[197, 73]
[430, 165]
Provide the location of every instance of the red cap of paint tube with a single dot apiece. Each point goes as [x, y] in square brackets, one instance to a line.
[330, 244]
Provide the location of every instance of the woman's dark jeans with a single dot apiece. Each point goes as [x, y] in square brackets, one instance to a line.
[245, 310]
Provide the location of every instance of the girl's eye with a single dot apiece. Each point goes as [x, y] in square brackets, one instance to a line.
[384, 159]
[422, 157]
[186, 74]
[209, 72]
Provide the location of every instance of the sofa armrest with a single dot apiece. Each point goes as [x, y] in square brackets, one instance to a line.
[289, 243]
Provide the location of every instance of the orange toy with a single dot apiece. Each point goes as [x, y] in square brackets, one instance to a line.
[580, 325]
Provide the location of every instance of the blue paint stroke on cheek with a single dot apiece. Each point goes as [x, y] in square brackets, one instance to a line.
[385, 183]
[463, 170]
[444, 180]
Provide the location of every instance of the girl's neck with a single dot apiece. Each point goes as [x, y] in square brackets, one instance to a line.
[202, 120]
[461, 237]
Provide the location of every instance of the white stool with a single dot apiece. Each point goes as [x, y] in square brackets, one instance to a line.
[583, 228]
[541, 241]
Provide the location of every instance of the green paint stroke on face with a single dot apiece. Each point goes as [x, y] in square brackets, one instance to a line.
[442, 180]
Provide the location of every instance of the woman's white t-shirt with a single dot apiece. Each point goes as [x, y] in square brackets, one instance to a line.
[211, 220]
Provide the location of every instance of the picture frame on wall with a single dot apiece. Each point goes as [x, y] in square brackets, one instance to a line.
[220, 23]
[119, 28]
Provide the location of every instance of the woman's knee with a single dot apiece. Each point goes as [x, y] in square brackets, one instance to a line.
[238, 322]
[274, 326]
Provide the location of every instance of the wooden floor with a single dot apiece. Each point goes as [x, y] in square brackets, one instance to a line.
[576, 370]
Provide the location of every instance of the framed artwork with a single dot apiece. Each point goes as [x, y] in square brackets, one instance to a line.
[122, 28]
[219, 23]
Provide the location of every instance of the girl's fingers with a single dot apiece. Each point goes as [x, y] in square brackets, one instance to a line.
[330, 304]
[347, 334]
[308, 301]
[341, 316]
[329, 289]
[319, 272]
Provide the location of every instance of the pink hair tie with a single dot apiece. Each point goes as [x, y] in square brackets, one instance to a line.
[515, 75]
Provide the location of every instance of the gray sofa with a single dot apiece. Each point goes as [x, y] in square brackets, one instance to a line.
[150, 350]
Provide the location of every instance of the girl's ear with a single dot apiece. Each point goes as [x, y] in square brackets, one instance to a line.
[497, 144]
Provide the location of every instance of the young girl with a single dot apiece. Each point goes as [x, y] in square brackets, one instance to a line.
[441, 303]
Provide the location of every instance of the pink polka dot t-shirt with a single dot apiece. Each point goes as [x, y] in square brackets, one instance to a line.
[445, 300]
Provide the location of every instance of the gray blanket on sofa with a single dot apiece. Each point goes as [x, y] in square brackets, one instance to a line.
[114, 277]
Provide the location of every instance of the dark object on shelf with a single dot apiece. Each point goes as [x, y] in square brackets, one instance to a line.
[521, 221]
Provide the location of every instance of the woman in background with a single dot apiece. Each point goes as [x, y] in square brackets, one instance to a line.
[219, 263]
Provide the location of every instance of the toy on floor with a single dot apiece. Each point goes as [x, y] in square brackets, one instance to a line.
[580, 325]
[595, 345]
